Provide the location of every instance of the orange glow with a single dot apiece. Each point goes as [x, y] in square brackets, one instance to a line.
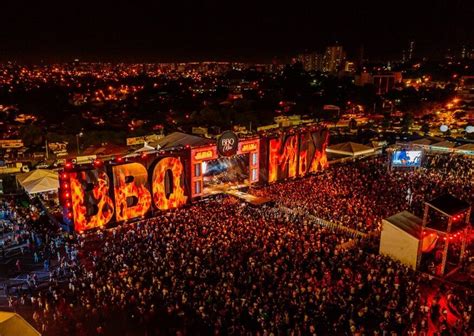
[283, 158]
[98, 197]
[207, 154]
[177, 197]
[273, 161]
[303, 166]
[320, 159]
[130, 182]
[249, 147]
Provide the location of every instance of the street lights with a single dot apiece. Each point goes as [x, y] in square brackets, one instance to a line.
[78, 135]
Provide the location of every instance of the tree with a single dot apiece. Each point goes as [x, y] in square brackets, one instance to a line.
[31, 135]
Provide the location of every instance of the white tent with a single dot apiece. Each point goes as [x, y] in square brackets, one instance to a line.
[443, 146]
[146, 149]
[350, 149]
[401, 238]
[12, 324]
[39, 181]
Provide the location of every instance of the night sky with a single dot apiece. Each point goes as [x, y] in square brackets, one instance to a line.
[228, 30]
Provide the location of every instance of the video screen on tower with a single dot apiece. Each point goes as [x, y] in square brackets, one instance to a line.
[407, 158]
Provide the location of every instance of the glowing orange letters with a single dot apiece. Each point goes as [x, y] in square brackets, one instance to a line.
[93, 207]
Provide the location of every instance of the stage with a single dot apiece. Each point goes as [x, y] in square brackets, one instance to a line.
[248, 198]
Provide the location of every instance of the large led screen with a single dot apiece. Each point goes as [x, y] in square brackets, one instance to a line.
[407, 158]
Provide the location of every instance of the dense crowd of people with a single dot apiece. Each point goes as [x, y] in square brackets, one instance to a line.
[221, 267]
[226, 268]
[359, 195]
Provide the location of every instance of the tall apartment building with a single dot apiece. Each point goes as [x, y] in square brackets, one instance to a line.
[334, 58]
[311, 61]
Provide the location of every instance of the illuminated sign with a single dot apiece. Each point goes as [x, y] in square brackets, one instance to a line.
[174, 196]
[292, 155]
[249, 147]
[207, 154]
[132, 198]
[11, 143]
[227, 144]
[87, 194]
[283, 158]
[92, 197]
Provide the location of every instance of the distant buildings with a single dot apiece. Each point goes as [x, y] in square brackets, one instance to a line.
[334, 59]
[383, 82]
[466, 89]
[350, 67]
[311, 61]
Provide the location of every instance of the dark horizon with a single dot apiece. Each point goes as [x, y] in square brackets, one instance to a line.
[209, 30]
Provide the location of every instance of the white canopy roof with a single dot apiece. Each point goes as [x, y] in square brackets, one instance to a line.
[350, 148]
[39, 181]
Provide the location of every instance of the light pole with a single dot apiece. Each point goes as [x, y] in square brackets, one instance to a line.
[78, 135]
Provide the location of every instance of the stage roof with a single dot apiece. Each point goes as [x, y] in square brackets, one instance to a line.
[407, 222]
[449, 205]
[177, 139]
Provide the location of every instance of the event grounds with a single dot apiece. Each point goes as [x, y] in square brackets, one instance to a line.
[221, 267]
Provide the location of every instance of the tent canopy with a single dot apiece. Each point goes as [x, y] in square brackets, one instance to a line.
[443, 145]
[426, 141]
[38, 181]
[466, 148]
[408, 222]
[400, 238]
[350, 148]
[12, 324]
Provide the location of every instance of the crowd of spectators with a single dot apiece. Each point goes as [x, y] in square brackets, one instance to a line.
[360, 194]
[226, 268]
[221, 267]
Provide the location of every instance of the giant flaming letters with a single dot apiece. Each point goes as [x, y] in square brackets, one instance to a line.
[92, 207]
[132, 198]
[297, 155]
[320, 140]
[283, 158]
[91, 202]
[175, 197]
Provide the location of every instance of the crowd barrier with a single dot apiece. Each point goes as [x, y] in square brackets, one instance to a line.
[325, 223]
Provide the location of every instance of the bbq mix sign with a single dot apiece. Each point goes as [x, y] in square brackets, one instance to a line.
[227, 144]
